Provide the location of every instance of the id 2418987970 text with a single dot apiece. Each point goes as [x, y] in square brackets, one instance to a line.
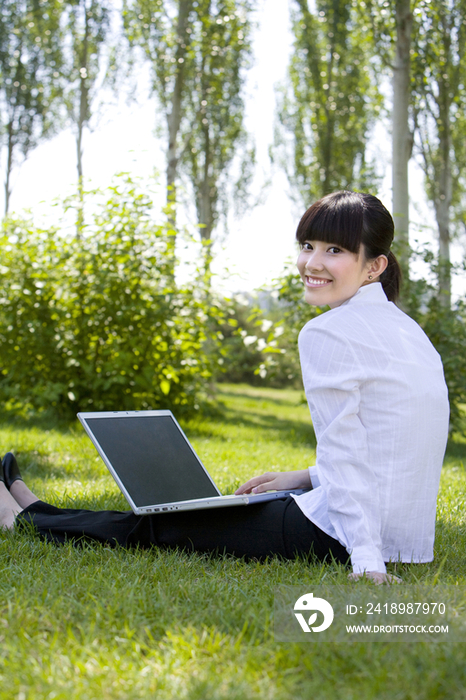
[397, 608]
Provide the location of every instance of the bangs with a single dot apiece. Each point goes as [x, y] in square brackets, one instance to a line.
[336, 218]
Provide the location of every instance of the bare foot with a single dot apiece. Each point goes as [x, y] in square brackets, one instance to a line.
[22, 494]
[9, 508]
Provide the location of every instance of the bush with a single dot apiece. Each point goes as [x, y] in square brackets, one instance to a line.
[447, 331]
[246, 333]
[94, 321]
[257, 340]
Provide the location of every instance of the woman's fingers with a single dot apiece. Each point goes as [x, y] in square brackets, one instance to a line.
[258, 484]
[276, 481]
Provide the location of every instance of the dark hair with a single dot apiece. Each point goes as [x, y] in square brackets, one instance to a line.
[352, 219]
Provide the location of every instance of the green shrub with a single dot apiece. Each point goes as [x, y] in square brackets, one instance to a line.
[245, 331]
[259, 342]
[93, 320]
[447, 331]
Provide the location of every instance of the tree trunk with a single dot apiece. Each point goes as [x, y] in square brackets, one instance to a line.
[444, 197]
[9, 167]
[402, 137]
[204, 207]
[204, 198]
[329, 118]
[80, 218]
[442, 211]
[82, 119]
[174, 118]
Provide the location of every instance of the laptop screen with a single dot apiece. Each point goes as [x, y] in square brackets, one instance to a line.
[152, 458]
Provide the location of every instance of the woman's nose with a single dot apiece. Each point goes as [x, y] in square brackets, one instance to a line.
[314, 261]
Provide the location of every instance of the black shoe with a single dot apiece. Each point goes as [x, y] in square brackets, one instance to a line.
[11, 471]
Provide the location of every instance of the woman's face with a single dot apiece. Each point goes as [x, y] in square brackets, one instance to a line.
[331, 274]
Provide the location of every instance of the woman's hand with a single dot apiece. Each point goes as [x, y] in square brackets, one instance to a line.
[376, 577]
[276, 481]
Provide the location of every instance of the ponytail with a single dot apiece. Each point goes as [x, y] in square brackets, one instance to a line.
[391, 278]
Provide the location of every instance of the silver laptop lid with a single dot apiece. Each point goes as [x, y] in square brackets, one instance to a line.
[149, 456]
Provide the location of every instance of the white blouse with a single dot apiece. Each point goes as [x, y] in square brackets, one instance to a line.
[379, 406]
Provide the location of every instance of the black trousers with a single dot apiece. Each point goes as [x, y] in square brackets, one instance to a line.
[253, 531]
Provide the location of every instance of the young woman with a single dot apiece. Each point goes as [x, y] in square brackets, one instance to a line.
[379, 407]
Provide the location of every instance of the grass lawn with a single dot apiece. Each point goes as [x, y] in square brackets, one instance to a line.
[99, 623]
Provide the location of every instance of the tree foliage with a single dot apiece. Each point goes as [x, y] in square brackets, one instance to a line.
[198, 53]
[330, 103]
[94, 322]
[213, 130]
[439, 97]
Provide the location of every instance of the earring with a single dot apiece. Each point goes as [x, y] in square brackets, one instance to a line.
[370, 277]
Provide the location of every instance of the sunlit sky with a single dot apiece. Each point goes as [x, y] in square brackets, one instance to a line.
[258, 244]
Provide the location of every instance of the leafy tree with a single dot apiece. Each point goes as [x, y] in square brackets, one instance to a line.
[197, 52]
[330, 103]
[163, 31]
[423, 45]
[213, 131]
[439, 94]
[29, 59]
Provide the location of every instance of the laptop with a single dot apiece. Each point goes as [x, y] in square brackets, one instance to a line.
[155, 466]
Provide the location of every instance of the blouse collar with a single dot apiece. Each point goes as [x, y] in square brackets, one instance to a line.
[372, 293]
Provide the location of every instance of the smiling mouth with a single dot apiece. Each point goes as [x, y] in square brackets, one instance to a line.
[316, 282]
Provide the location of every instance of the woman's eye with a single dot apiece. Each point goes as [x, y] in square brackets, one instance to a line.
[306, 246]
[334, 249]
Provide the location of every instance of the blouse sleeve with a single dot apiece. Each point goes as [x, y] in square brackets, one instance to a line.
[314, 477]
[333, 376]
